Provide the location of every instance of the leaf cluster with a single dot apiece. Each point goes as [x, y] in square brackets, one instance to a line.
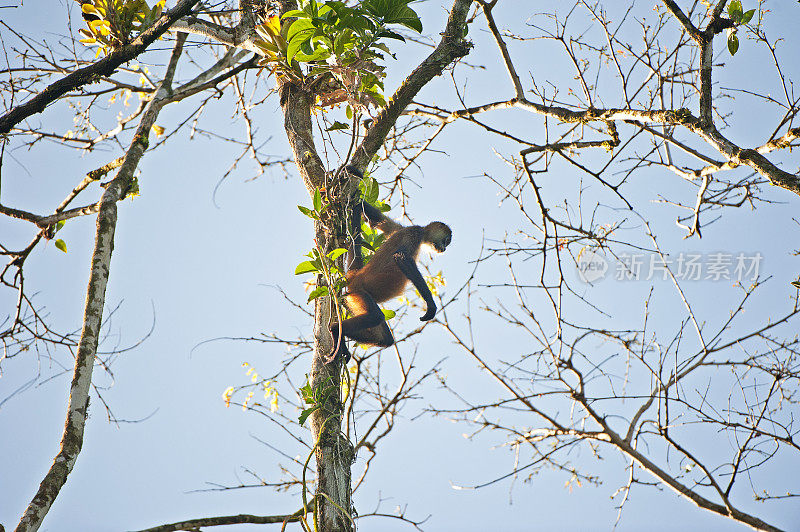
[739, 18]
[332, 39]
[315, 398]
[113, 23]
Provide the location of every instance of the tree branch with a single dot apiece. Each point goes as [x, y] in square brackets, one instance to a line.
[221, 34]
[451, 47]
[195, 524]
[104, 67]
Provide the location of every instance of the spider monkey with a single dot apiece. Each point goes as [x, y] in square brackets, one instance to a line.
[385, 277]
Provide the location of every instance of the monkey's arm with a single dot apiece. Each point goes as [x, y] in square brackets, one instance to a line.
[375, 217]
[410, 270]
[379, 220]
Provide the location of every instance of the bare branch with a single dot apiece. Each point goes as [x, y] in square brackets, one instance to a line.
[195, 524]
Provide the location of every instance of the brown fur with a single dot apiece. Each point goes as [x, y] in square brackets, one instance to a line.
[383, 279]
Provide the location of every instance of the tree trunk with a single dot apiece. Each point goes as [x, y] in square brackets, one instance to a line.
[333, 452]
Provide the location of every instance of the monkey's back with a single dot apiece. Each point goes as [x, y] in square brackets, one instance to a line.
[382, 278]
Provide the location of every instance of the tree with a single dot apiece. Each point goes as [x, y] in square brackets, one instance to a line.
[665, 388]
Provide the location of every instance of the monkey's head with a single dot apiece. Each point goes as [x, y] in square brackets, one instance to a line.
[438, 235]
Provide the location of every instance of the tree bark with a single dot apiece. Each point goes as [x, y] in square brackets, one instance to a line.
[333, 452]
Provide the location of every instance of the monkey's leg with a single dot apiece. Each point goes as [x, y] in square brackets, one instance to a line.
[366, 313]
[367, 326]
[363, 308]
[380, 335]
[372, 328]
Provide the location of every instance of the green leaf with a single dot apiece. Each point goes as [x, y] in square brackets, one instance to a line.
[747, 16]
[371, 191]
[264, 45]
[388, 314]
[59, 225]
[337, 126]
[304, 267]
[348, 112]
[733, 43]
[391, 35]
[343, 41]
[318, 292]
[317, 200]
[378, 8]
[366, 230]
[359, 23]
[60, 244]
[336, 253]
[300, 32]
[379, 239]
[377, 96]
[735, 10]
[305, 49]
[319, 54]
[298, 13]
[293, 48]
[405, 16]
[305, 413]
[339, 7]
[382, 46]
[308, 212]
[322, 41]
[307, 393]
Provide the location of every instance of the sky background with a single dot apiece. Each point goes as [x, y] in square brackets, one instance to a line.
[197, 259]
